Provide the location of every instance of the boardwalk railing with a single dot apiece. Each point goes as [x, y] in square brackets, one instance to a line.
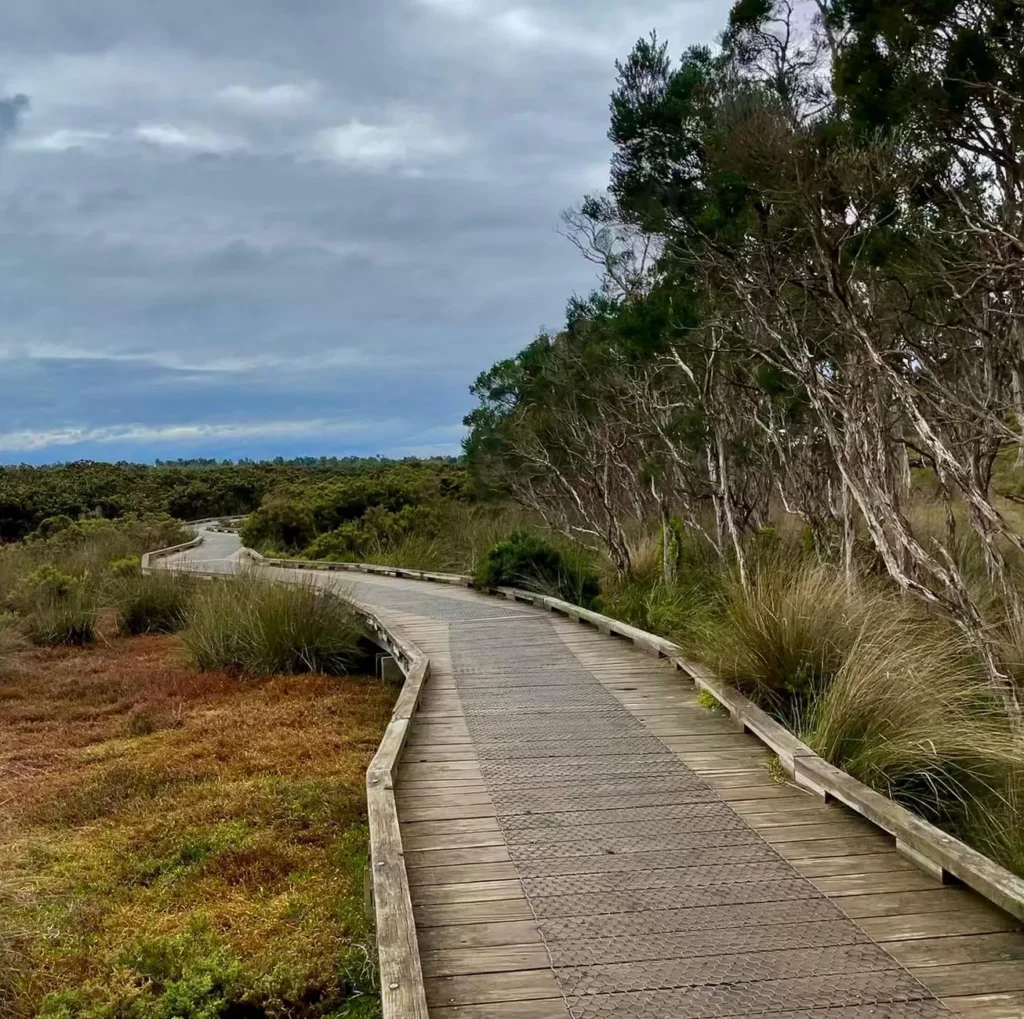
[401, 974]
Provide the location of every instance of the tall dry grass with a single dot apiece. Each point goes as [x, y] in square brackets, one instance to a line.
[785, 635]
[891, 694]
[256, 626]
[155, 603]
[11, 644]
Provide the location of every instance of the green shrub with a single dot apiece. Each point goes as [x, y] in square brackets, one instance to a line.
[280, 524]
[157, 603]
[261, 627]
[53, 525]
[126, 566]
[373, 537]
[46, 583]
[525, 560]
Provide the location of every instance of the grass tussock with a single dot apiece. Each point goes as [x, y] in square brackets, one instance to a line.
[787, 634]
[62, 620]
[260, 627]
[11, 644]
[156, 603]
[880, 688]
[211, 866]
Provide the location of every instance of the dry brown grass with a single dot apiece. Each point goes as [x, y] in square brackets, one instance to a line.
[144, 801]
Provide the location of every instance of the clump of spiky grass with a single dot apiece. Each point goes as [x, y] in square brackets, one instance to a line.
[157, 603]
[11, 643]
[908, 712]
[786, 634]
[263, 628]
[895, 697]
[62, 620]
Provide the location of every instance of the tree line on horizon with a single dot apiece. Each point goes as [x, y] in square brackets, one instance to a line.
[184, 489]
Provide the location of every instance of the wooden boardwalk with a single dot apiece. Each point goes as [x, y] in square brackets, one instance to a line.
[583, 840]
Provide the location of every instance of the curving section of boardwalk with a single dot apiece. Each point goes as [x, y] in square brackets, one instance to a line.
[581, 839]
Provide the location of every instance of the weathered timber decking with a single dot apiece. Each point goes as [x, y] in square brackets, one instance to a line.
[582, 839]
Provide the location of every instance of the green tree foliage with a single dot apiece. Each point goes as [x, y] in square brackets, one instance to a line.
[811, 252]
[344, 518]
[47, 499]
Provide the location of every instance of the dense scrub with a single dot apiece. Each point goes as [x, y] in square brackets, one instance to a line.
[358, 517]
[187, 490]
[54, 583]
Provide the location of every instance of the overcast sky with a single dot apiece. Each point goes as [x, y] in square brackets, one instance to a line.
[262, 227]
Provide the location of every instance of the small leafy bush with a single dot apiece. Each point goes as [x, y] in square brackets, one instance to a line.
[157, 603]
[45, 584]
[126, 566]
[525, 560]
[50, 526]
[263, 628]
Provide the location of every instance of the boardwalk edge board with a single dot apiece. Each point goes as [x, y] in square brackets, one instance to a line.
[163, 553]
[403, 995]
[930, 848]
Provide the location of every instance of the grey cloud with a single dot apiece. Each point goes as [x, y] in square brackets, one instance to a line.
[12, 109]
[256, 226]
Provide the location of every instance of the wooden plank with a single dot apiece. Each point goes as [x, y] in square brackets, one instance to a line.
[415, 814]
[447, 914]
[828, 831]
[934, 900]
[867, 884]
[489, 988]
[438, 786]
[783, 801]
[868, 863]
[413, 830]
[479, 935]
[957, 922]
[972, 977]
[426, 799]
[549, 1008]
[982, 1006]
[505, 958]
[455, 857]
[829, 847]
[427, 755]
[944, 951]
[765, 789]
[455, 840]
[460, 874]
[467, 891]
[795, 815]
